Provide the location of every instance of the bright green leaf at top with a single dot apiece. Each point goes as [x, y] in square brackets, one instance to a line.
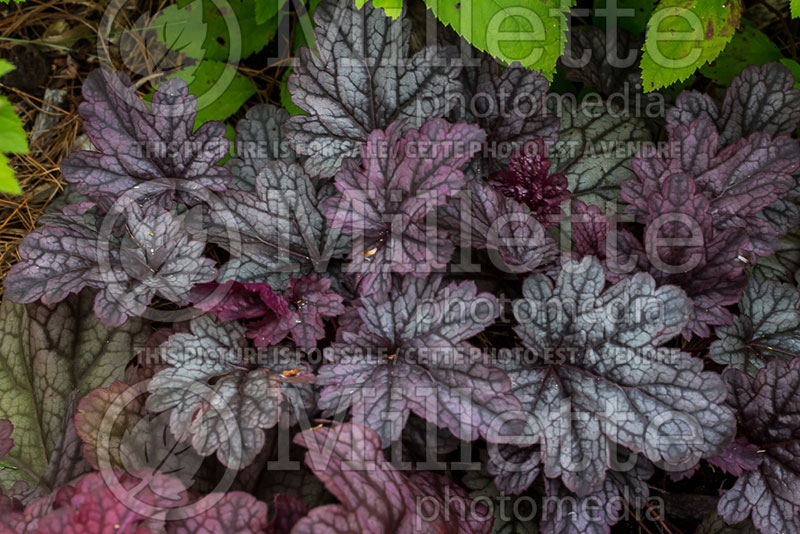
[631, 15]
[220, 88]
[234, 32]
[795, 9]
[510, 30]
[266, 10]
[12, 139]
[49, 358]
[683, 35]
[748, 47]
[392, 8]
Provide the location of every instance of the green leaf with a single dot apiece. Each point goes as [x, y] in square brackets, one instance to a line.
[220, 88]
[8, 184]
[12, 135]
[12, 139]
[391, 8]
[510, 30]
[793, 66]
[236, 34]
[267, 9]
[748, 47]
[49, 356]
[634, 22]
[795, 9]
[683, 35]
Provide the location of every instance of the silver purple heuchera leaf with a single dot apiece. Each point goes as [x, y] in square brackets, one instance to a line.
[767, 412]
[481, 217]
[374, 496]
[277, 231]
[259, 140]
[593, 150]
[509, 105]
[597, 512]
[744, 182]
[768, 327]
[148, 147]
[682, 247]
[388, 202]
[360, 79]
[157, 255]
[406, 353]
[611, 379]
[761, 99]
[221, 399]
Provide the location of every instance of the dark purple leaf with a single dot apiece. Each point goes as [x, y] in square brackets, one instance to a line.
[308, 299]
[388, 201]
[738, 457]
[589, 229]
[374, 496]
[137, 145]
[359, 79]
[528, 180]
[509, 105]
[740, 181]
[408, 354]
[767, 410]
[761, 99]
[707, 264]
[482, 217]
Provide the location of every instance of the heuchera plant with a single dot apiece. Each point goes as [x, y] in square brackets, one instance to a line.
[368, 298]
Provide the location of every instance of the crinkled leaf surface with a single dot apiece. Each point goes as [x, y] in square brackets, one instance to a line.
[683, 36]
[593, 150]
[49, 355]
[482, 217]
[509, 105]
[739, 456]
[706, 263]
[235, 513]
[761, 99]
[767, 328]
[358, 80]
[784, 263]
[616, 378]
[277, 231]
[767, 412]
[6, 442]
[374, 496]
[407, 353]
[137, 144]
[598, 511]
[259, 139]
[218, 398]
[740, 181]
[158, 255]
[387, 202]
